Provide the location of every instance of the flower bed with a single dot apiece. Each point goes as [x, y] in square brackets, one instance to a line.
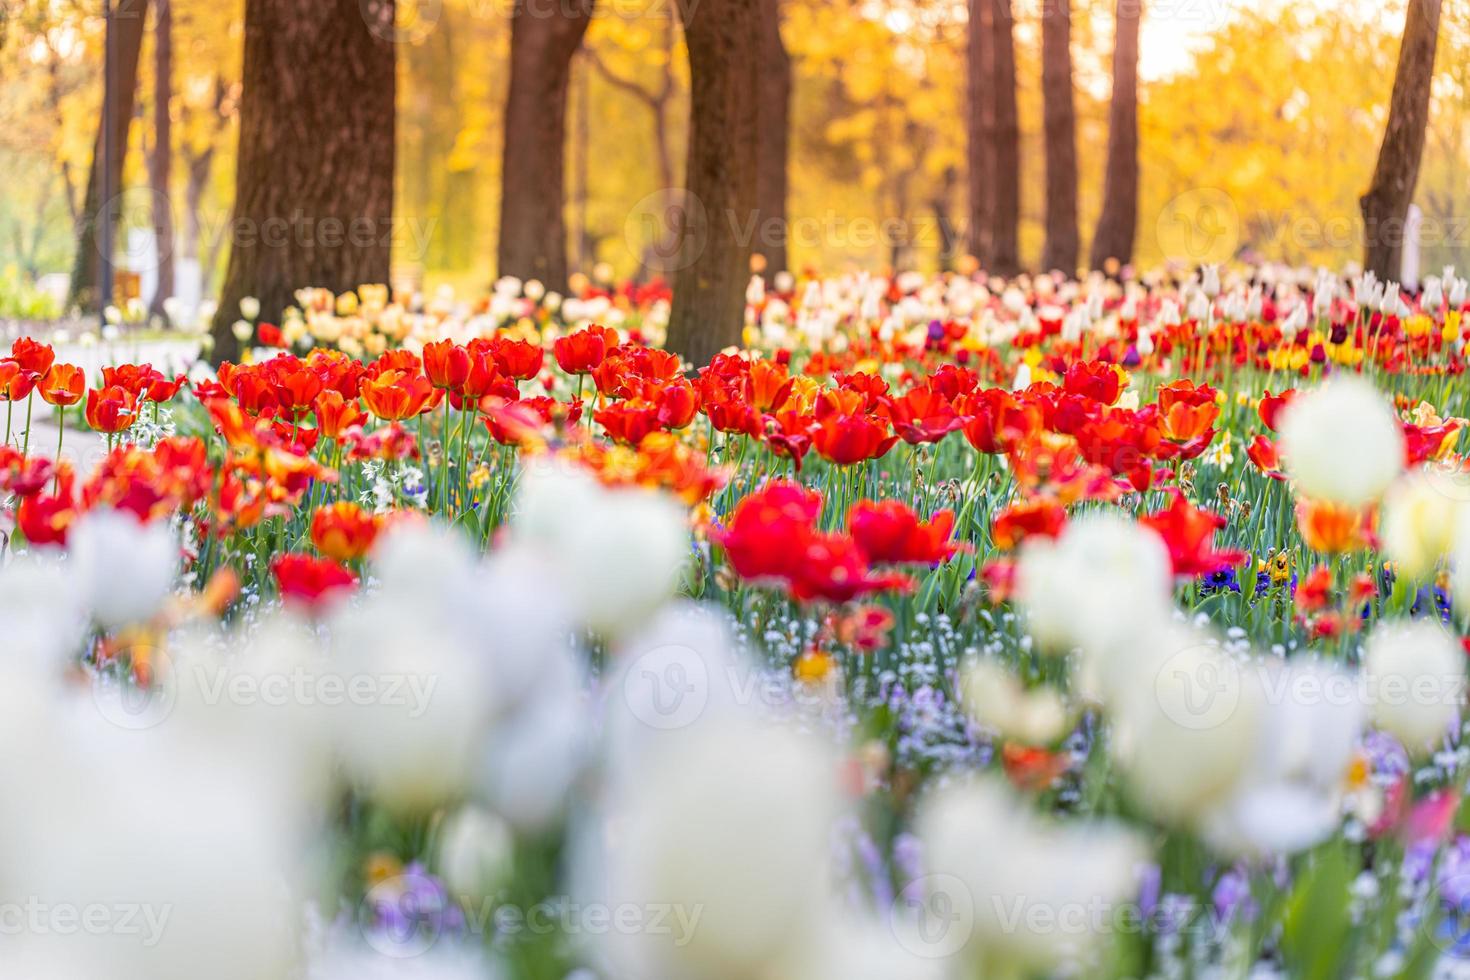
[951, 629]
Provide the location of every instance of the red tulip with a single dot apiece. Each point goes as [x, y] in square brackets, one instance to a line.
[311, 582]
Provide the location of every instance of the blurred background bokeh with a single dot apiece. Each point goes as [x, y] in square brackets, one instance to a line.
[1260, 121]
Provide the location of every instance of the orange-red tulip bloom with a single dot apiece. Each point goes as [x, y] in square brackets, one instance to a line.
[63, 385]
[396, 395]
[111, 410]
[344, 531]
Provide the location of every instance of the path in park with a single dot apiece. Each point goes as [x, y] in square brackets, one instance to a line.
[84, 449]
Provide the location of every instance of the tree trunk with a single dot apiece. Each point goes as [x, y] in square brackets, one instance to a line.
[1118, 225]
[1006, 255]
[774, 141]
[980, 130]
[1386, 205]
[160, 161]
[713, 261]
[533, 228]
[314, 179]
[128, 23]
[1062, 245]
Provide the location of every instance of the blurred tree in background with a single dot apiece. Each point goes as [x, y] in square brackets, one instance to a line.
[1257, 140]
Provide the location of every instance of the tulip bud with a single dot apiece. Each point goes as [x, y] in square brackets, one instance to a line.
[250, 308]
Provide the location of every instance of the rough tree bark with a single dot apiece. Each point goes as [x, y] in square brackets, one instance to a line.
[1118, 225]
[314, 179]
[774, 141]
[1005, 258]
[129, 17]
[1062, 244]
[723, 37]
[980, 130]
[533, 228]
[160, 157]
[1386, 205]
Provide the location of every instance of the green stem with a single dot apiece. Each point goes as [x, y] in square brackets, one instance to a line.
[26, 446]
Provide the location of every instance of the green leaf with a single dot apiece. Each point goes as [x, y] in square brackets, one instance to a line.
[1317, 924]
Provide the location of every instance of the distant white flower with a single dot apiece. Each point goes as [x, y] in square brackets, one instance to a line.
[250, 308]
[1210, 281]
[1341, 442]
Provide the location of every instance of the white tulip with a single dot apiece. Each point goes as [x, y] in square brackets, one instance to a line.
[1290, 796]
[996, 700]
[1341, 442]
[738, 902]
[1415, 674]
[1186, 719]
[1027, 893]
[1093, 588]
[123, 569]
[1419, 524]
[475, 853]
[618, 552]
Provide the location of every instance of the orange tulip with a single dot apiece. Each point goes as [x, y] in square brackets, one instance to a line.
[1334, 529]
[336, 414]
[64, 385]
[344, 531]
[32, 356]
[1183, 422]
[396, 395]
[111, 410]
[447, 364]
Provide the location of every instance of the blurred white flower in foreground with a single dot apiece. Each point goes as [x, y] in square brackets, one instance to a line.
[1185, 719]
[617, 552]
[1341, 442]
[468, 676]
[347, 961]
[1289, 797]
[123, 569]
[197, 863]
[1415, 674]
[726, 837]
[1419, 524]
[996, 700]
[1096, 586]
[42, 612]
[1033, 895]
